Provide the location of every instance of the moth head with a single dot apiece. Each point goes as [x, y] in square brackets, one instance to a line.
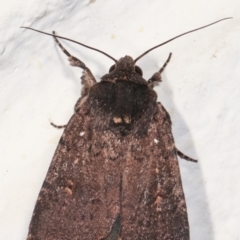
[127, 64]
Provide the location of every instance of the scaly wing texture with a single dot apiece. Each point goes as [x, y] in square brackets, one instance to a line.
[79, 198]
[153, 203]
[101, 185]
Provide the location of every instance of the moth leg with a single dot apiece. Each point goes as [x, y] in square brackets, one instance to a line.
[183, 156]
[88, 79]
[166, 63]
[58, 126]
[75, 62]
[156, 77]
[168, 118]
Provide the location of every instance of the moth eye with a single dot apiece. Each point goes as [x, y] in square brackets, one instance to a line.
[111, 68]
[138, 70]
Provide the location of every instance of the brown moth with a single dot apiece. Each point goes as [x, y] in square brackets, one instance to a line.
[115, 172]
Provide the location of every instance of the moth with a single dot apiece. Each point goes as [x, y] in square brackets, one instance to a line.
[115, 172]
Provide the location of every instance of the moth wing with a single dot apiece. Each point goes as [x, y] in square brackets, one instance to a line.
[80, 197]
[153, 203]
[100, 186]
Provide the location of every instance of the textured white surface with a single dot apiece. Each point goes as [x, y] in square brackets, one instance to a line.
[200, 90]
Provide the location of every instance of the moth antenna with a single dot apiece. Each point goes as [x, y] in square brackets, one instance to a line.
[161, 44]
[68, 39]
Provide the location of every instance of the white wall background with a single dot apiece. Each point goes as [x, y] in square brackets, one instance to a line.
[200, 89]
